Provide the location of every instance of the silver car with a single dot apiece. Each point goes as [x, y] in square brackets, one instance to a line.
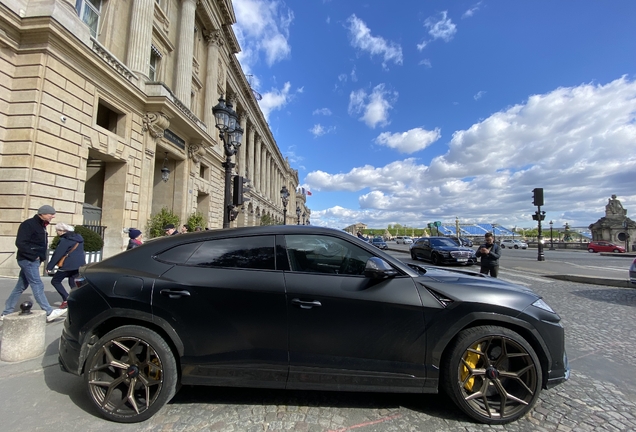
[516, 244]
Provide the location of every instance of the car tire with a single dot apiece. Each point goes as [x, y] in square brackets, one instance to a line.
[590, 250]
[130, 359]
[486, 364]
[516, 247]
[437, 259]
[413, 256]
[616, 251]
[503, 246]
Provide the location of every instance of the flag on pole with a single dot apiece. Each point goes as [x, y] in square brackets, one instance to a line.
[309, 193]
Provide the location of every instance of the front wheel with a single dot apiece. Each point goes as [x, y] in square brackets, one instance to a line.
[413, 256]
[131, 374]
[492, 374]
[616, 251]
[437, 260]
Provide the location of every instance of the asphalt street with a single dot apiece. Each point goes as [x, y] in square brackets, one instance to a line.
[600, 396]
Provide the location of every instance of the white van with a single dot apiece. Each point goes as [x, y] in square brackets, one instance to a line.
[403, 240]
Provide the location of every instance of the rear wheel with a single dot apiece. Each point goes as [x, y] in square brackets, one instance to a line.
[516, 247]
[590, 250]
[492, 374]
[503, 246]
[130, 374]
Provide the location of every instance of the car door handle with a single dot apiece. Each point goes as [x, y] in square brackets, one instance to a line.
[173, 294]
[306, 304]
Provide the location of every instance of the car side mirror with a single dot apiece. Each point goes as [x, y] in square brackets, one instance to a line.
[377, 268]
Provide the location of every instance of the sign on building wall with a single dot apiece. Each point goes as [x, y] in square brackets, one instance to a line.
[174, 139]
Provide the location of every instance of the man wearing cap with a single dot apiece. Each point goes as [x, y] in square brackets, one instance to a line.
[32, 242]
[170, 230]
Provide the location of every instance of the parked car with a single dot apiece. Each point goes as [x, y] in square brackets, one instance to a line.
[516, 244]
[379, 243]
[403, 240]
[603, 246]
[442, 250]
[632, 273]
[302, 307]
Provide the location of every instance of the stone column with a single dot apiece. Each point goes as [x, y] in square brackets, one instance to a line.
[257, 165]
[138, 56]
[268, 175]
[243, 148]
[250, 156]
[214, 41]
[183, 86]
[263, 168]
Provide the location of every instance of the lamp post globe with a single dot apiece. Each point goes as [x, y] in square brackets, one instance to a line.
[284, 196]
[231, 135]
[298, 215]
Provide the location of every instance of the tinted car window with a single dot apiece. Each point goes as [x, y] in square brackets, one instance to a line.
[242, 252]
[322, 254]
[179, 254]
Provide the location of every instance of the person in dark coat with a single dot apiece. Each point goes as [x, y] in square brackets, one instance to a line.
[32, 241]
[71, 243]
[135, 238]
[489, 253]
[170, 230]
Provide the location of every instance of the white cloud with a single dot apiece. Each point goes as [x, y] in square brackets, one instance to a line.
[374, 106]
[411, 141]
[322, 111]
[470, 12]
[440, 27]
[362, 39]
[426, 62]
[479, 95]
[275, 100]
[578, 143]
[262, 27]
[319, 130]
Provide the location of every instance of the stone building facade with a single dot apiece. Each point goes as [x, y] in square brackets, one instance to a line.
[615, 227]
[97, 96]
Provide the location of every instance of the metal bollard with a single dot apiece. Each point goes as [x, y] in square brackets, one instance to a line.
[23, 334]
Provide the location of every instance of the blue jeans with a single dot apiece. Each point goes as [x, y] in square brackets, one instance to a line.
[29, 275]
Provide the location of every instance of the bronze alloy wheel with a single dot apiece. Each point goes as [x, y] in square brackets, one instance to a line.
[130, 374]
[493, 374]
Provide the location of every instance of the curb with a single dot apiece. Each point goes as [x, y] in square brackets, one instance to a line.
[621, 283]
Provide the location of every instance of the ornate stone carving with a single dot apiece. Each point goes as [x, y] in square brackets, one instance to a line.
[195, 151]
[155, 123]
[215, 37]
[614, 209]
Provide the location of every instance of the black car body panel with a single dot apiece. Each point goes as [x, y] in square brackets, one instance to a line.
[379, 243]
[442, 250]
[290, 307]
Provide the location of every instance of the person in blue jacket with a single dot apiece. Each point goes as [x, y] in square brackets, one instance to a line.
[71, 243]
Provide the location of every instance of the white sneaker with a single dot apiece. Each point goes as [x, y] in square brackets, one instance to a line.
[55, 314]
[1, 317]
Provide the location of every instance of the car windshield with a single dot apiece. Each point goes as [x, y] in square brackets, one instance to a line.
[443, 242]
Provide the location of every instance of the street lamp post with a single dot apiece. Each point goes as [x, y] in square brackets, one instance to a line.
[298, 215]
[231, 134]
[304, 216]
[284, 195]
[551, 238]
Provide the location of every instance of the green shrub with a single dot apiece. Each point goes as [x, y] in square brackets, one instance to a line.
[196, 220]
[268, 220]
[93, 242]
[160, 220]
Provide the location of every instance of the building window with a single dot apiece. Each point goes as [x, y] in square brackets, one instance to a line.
[155, 59]
[89, 12]
[110, 119]
[203, 172]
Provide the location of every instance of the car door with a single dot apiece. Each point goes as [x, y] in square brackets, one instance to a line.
[348, 331]
[226, 301]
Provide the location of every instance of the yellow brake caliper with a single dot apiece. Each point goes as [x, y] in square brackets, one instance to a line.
[471, 359]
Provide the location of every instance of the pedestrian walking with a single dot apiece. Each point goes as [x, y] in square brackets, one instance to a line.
[68, 257]
[32, 243]
[135, 238]
[489, 253]
[170, 230]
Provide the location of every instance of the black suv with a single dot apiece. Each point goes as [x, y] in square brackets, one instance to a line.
[303, 307]
[442, 250]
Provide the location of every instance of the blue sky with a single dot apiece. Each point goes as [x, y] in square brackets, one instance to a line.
[438, 109]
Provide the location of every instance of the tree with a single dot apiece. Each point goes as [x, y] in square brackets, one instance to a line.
[160, 220]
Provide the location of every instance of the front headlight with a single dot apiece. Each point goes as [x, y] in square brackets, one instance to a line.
[543, 305]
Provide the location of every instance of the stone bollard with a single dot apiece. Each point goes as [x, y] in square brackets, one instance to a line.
[23, 334]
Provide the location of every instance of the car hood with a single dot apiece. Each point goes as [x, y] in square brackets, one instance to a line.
[453, 248]
[474, 287]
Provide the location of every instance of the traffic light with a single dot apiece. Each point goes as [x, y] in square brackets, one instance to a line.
[240, 188]
[538, 196]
